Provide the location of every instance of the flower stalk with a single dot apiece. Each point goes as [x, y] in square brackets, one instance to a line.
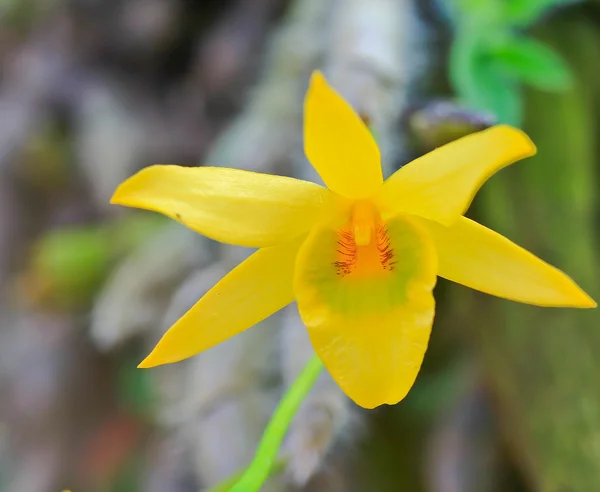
[266, 454]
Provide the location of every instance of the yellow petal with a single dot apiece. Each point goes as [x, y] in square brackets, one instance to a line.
[255, 289]
[441, 184]
[338, 144]
[369, 309]
[229, 205]
[482, 259]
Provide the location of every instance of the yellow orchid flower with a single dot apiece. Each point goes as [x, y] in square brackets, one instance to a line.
[360, 257]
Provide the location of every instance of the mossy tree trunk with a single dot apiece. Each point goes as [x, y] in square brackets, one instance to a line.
[544, 364]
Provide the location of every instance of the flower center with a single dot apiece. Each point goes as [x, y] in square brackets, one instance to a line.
[364, 222]
[364, 248]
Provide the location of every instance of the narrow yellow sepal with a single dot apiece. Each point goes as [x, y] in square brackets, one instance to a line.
[473, 255]
[338, 144]
[230, 205]
[255, 289]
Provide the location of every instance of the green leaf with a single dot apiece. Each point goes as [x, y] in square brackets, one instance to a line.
[478, 83]
[482, 9]
[534, 63]
[73, 262]
[464, 53]
[498, 94]
[521, 13]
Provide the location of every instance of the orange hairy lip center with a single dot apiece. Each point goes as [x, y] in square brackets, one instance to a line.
[363, 244]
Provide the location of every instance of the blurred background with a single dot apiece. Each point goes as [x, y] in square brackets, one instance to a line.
[93, 90]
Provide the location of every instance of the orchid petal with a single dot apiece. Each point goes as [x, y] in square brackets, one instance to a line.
[338, 144]
[441, 184]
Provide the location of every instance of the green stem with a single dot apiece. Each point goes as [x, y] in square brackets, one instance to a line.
[266, 454]
[225, 485]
